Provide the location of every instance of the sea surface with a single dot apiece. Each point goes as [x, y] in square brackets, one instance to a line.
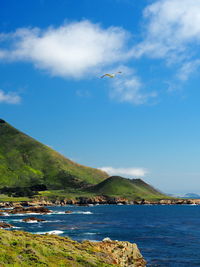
[165, 235]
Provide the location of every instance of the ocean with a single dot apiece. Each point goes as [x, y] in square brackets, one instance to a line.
[165, 235]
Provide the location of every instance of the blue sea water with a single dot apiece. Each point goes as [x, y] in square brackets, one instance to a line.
[165, 235]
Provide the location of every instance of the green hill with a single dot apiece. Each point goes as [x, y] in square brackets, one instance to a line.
[27, 167]
[25, 162]
[129, 188]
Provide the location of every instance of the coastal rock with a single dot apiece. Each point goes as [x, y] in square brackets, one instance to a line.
[106, 239]
[5, 225]
[33, 219]
[121, 253]
[101, 200]
[68, 211]
[41, 210]
[17, 205]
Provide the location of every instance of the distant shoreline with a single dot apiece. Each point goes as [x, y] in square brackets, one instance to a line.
[100, 200]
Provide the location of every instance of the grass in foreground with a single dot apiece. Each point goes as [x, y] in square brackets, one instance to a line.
[21, 249]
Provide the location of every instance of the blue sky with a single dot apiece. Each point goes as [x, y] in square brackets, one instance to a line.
[142, 123]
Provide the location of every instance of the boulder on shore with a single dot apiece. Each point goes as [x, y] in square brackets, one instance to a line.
[41, 210]
[5, 225]
[68, 211]
[31, 219]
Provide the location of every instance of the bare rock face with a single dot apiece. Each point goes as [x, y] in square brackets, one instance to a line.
[124, 254]
[5, 225]
[41, 210]
[33, 219]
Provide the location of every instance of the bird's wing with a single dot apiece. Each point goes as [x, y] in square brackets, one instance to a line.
[107, 74]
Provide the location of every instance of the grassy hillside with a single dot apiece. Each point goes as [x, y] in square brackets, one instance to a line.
[26, 162]
[21, 249]
[134, 189]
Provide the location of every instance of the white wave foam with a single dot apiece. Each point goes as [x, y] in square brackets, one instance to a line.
[74, 212]
[89, 233]
[54, 232]
[27, 214]
[51, 221]
[82, 212]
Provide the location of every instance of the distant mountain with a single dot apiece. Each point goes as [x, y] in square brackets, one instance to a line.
[191, 195]
[25, 162]
[130, 188]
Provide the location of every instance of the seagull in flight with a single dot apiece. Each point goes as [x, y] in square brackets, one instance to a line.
[110, 75]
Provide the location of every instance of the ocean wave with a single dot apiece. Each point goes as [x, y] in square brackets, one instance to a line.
[73, 212]
[89, 233]
[82, 212]
[54, 232]
[27, 214]
[33, 221]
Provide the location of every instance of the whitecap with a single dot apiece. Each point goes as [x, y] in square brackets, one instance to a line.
[54, 232]
[51, 221]
[27, 214]
[89, 233]
[82, 212]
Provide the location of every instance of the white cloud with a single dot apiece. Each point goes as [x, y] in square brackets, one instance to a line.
[187, 69]
[9, 98]
[71, 50]
[128, 172]
[170, 26]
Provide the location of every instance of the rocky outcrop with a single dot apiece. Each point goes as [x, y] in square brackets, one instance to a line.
[5, 225]
[18, 210]
[68, 211]
[33, 219]
[121, 253]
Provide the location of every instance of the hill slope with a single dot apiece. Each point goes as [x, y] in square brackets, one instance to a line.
[21, 249]
[130, 188]
[26, 162]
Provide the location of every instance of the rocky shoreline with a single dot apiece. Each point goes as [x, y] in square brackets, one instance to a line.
[99, 200]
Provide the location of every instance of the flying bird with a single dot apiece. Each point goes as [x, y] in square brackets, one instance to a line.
[111, 75]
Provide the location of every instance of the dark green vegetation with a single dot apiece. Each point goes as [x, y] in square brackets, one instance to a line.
[129, 188]
[29, 168]
[20, 249]
[24, 163]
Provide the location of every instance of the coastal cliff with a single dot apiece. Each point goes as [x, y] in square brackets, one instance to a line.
[23, 249]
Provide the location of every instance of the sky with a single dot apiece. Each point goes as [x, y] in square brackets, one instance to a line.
[144, 122]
